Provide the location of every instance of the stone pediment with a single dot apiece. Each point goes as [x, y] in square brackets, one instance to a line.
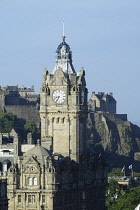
[31, 160]
[31, 169]
[59, 73]
[31, 166]
[58, 81]
[59, 78]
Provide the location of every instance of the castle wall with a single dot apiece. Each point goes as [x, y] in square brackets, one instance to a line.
[2, 100]
[14, 100]
[121, 116]
[27, 112]
[116, 116]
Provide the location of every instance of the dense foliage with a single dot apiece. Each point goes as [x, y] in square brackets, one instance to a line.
[8, 121]
[121, 198]
[116, 172]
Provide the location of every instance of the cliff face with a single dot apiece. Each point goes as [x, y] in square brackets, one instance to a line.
[120, 139]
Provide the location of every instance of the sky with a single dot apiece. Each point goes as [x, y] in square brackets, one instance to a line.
[104, 36]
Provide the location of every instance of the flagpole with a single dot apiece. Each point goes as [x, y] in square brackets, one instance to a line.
[123, 170]
[63, 27]
[132, 172]
[131, 168]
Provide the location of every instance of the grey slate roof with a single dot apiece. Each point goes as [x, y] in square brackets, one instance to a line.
[38, 151]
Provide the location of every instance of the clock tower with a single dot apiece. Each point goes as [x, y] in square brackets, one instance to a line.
[63, 107]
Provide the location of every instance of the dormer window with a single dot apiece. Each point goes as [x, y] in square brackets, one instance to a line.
[32, 181]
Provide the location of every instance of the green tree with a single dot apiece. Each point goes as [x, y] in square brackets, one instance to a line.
[116, 172]
[6, 122]
[30, 126]
[19, 127]
[127, 201]
[113, 191]
[113, 187]
[1, 114]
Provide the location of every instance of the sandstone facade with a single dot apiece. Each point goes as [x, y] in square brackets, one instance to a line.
[60, 171]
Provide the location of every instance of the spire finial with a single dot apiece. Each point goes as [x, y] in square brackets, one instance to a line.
[63, 27]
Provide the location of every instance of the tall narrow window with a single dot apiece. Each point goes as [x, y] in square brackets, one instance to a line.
[29, 181]
[31, 198]
[19, 198]
[35, 181]
[83, 195]
[43, 199]
[53, 180]
[4, 167]
[77, 100]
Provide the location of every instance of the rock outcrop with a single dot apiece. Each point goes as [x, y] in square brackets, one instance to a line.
[119, 139]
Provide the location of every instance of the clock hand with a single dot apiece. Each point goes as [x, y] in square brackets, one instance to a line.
[57, 98]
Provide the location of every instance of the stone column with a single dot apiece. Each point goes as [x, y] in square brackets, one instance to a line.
[50, 201]
[25, 201]
[51, 126]
[38, 200]
[68, 135]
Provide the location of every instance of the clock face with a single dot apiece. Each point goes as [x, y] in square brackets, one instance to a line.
[82, 96]
[59, 96]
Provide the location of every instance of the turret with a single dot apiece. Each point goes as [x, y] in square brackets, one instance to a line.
[64, 58]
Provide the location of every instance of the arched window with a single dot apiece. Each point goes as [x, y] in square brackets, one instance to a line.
[83, 195]
[29, 181]
[4, 167]
[35, 181]
[53, 180]
[62, 120]
[57, 120]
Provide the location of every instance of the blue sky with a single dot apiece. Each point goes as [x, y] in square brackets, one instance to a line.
[104, 36]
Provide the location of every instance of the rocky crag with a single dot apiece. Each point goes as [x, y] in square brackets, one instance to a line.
[115, 138]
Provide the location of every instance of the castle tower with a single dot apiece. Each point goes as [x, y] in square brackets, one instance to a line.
[63, 107]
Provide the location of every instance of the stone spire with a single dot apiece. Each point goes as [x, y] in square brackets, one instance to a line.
[64, 58]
